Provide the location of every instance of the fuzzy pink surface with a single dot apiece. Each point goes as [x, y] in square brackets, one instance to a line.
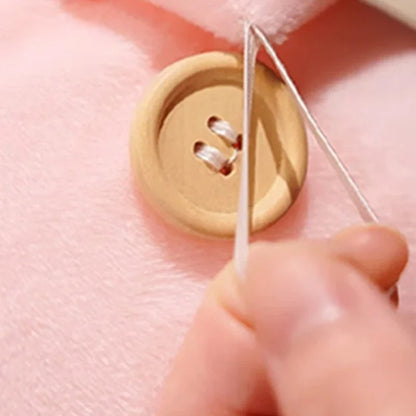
[226, 18]
[96, 291]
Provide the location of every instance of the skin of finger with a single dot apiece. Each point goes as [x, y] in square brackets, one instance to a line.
[389, 252]
[379, 249]
[362, 363]
[219, 366]
[219, 370]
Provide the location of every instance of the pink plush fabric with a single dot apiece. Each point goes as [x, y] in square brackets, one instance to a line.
[96, 291]
[226, 18]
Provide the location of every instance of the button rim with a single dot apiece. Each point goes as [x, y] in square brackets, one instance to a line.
[172, 205]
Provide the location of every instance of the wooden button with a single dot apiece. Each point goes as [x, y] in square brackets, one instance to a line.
[174, 116]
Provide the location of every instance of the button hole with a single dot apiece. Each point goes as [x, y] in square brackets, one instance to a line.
[227, 169]
[212, 120]
[239, 144]
[224, 129]
[197, 147]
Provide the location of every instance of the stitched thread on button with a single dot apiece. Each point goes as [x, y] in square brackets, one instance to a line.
[211, 155]
[224, 129]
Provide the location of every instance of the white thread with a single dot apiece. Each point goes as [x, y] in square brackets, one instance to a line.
[242, 233]
[253, 35]
[360, 202]
[224, 129]
[210, 154]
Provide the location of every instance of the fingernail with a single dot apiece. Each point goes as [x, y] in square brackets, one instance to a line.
[292, 293]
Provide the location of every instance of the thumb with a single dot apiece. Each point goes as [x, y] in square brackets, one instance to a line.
[332, 344]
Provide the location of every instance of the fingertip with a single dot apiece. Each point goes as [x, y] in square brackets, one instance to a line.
[320, 326]
[378, 251]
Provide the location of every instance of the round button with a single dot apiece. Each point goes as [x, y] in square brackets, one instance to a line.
[175, 118]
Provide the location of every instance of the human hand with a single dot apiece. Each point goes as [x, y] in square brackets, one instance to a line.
[308, 333]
